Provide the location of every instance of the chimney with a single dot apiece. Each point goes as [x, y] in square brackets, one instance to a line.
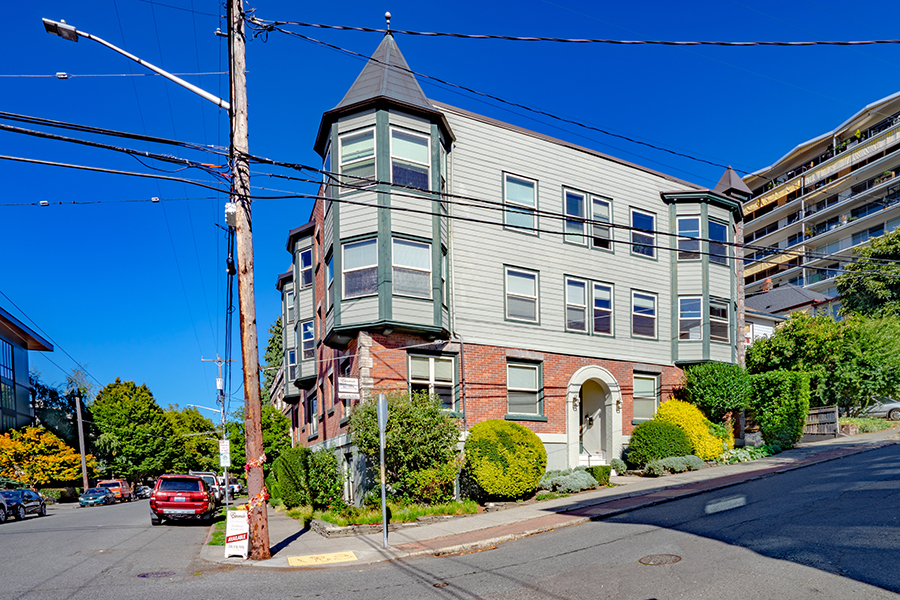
[767, 286]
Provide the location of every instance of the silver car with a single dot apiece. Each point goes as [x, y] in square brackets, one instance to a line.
[887, 408]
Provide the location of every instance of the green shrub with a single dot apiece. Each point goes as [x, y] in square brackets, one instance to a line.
[290, 472]
[576, 481]
[694, 462]
[419, 436]
[715, 388]
[780, 402]
[324, 479]
[698, 428]
[435, 485]
[506, 460]
[601, 473]
[674, 464]
[747, 453]
[618, 465]
[548, 477]
[272, 486]
[656, 439]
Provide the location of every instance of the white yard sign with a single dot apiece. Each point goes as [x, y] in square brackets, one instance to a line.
[348, 388]
[237, 534]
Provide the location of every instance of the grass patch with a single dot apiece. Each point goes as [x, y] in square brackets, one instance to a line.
[218, 536]
[399, 513]
[550, 496]
[867, 424]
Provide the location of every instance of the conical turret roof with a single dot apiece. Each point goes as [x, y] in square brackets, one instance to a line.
[733, 186]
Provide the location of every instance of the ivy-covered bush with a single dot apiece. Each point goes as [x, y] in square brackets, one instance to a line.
[601, 473]
[747, 453]
[656, 439]
[716, 388]
[780, 402]
[290, 473]
[419, 436]
[505, 460]
[618, 465]
[324, 479]
[698, 429]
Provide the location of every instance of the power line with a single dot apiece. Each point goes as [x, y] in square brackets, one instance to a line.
[190, 10]
[75, 75]
[153, 200]
[469, 36]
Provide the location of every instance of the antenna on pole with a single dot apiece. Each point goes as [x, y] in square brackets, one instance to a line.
[387, 18]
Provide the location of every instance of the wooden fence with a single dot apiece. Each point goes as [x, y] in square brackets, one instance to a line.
[821, 423]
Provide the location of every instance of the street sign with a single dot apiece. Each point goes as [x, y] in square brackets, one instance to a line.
[348, 388]
[224, 453]
[382, 412]
[237, 533]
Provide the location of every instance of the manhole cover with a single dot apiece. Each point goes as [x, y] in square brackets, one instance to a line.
[660, 559]
[157, 574]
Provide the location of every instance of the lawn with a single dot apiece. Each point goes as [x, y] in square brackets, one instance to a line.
[399, 513]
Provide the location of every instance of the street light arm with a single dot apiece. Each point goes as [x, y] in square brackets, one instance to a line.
[66, 32]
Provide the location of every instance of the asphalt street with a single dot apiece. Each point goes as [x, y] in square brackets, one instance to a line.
[827, 531]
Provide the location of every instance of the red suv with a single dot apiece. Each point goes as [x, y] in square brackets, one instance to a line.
[181, 497]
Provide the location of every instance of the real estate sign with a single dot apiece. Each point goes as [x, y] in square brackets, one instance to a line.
[348, 388]
[237, 533]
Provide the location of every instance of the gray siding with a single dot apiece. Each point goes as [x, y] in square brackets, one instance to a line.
[359, 220]
[328, 232]
[361, 310]
[414, 224]
[720, 281]
[408, 310]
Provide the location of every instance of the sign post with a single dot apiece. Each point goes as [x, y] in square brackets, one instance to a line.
[382, 413]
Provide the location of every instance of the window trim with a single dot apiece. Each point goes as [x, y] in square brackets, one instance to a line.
[681, 318]
[609, 228]
[303, 269]
[537, 296]
[431, 380]
[312, 413]
[329, 282]
[612, 309]
[689, 255]
[289, 305]
[394, 266]
[427, 164]
[342, 164]
[714, 260]
[311, 340]
[656, 400]
[727, 320]
[572, 238]
[533, 209]
[655, 315]
[588, 301]
[345, 270]
[292, 364]
[539, 415]
[652, 244]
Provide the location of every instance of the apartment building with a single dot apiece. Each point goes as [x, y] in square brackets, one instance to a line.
[514, 275]
[16, 339]
[823, 199]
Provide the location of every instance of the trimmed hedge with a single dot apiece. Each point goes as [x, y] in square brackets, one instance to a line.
[290, 473]
[780, 402]
[601, 473]
[657, 439]
[697, 427]
[505, 459]
[715, 388]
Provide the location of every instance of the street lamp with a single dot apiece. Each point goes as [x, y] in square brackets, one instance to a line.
[68, 32]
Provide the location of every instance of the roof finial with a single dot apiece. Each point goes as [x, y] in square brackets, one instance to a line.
[387, 17]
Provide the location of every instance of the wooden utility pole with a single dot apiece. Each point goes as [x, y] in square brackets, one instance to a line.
[259, 523]
[84, 477]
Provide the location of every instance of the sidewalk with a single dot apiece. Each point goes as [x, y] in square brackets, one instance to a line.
[296, 547]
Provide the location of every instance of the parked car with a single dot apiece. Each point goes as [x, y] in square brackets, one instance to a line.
[886, 408]
[143, 491]
[23, 502]
[212, 482]
[120, 488]
[96, 496]
[181, 497]
[3, 512]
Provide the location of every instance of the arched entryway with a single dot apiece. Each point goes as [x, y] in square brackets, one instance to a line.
[594, 422]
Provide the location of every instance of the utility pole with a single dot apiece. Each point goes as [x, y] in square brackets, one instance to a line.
[240, 182]
[84, 477]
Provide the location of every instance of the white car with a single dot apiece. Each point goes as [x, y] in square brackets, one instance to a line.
[887, 408]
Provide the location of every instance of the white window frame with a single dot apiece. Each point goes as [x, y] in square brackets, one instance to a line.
[715, 256]
[427, 164]
[289, 304]
[714, 302]
[595, 227]
[353, 181]
[345, 270]
[431, 383]
[292, 365]
[574, 225]
[694, 334]
[688, 249]
[307, 270]
[635, 399]
[535, 298]
[655, 314]
[312, 412]
[308, 343]
[649, 244]
[329, 283]
[395, 266]
[610, 310]
[518, 207]
[574, 306]
[538, 390]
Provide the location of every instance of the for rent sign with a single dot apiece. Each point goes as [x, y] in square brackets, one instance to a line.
[237, 534]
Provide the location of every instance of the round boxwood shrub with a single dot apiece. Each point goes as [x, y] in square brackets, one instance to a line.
[505, 459]
[688, 417]
[654, 439]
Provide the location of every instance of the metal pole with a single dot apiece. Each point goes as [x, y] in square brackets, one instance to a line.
[84, 477]
[384, 518]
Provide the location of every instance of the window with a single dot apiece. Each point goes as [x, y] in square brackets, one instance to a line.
[603, 322]
[308, 340]
[289, 301]
[521, 198]
[410, 159]
[690, 325]
[718, 237]
[575, 211]
[306, 274]
[329, 391]
[358, 157]
[412, 268]
[312, 413]
[643, 242]
[6, 360]
[7, 396]
[576, 305]
[292, 365]
[521, 295]
[688, 227]
[360, 269]
[643, 315]
[444, 297]
[794, 239]
[645, 397]
[718, 321]
[523, 389]
[329, 282]
[601, 234]
[433, 375]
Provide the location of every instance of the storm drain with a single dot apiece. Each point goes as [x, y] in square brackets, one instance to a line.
[660, 559]
[157, 574]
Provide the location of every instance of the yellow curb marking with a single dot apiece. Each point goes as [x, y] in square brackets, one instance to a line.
[320, 559]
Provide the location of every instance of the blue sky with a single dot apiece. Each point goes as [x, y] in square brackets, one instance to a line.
[135, 289]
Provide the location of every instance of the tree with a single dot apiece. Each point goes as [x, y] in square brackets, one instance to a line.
[274, 357]
[192, 432]
[36, 456]
[276, 434]
[718, 389]
[871, 286]
[136, 439]
[54, 408]
[849, 361]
